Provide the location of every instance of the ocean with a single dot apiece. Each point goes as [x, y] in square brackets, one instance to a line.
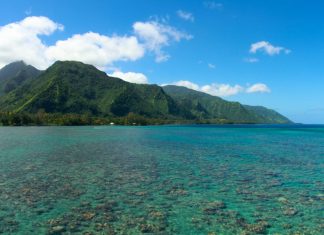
[177, 179]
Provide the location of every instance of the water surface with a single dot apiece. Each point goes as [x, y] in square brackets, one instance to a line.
[162, 180]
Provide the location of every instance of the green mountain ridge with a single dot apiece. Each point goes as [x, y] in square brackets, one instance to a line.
[208, 107]
[263, 113]
[15, 74]
[73, 87]
[69, 87]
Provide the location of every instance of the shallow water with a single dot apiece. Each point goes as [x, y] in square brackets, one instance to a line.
[162, 180]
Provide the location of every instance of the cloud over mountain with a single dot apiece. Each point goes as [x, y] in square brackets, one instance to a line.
[258, 87]
[96, 49]
[223, 90]
[22, 40]
[132, 77]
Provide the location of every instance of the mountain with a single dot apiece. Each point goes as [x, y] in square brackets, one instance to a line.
[269, 115]
[204, 106]
[16, 74]
[208, 107]
[74, 87]
[69, 87]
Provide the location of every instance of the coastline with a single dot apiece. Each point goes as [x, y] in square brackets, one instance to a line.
[72, 119]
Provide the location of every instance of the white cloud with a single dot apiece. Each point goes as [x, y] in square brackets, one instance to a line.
[99, 50]
[223, 90]
[251, 60]
[258, 87]
[22, 41]
[186, 15]
[187, 84]
[39, 25]
[213, 5]
[211, 66]
[267, 48]
[155, 36]
[130, 77]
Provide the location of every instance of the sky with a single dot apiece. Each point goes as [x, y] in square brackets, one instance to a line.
[256, 52]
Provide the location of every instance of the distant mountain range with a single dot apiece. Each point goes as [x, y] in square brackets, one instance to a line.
[69, 87]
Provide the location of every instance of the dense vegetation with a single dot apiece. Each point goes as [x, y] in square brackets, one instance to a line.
[208, 107]
[42, 118]
[16, 74]
[73, 93]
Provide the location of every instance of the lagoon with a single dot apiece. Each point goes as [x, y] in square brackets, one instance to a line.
[230, 179]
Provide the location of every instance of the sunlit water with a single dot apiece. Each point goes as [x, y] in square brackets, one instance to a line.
[162, 180]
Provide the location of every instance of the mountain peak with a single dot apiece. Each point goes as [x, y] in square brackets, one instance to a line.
[10, 69]
[72, 63]
[18, 62]
[16, 74]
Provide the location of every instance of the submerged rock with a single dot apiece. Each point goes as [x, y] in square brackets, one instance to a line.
[290, 212]
[319, 197]
[157, 214]
[147, 228]
[56, 230]
[287, 226]
[258, 228]
[214, 207]
[283, 200]
[88, 215]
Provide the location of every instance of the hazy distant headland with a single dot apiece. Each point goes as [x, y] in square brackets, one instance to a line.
[73, 93]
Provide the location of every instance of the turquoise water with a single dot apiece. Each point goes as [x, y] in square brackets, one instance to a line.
[162, 180]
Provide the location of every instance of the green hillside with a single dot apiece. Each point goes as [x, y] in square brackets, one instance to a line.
[16, 74]
[267, 115]
[73, 87]
[208, 107]
[78, 89]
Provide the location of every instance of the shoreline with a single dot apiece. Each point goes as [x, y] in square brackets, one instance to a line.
[233, 125]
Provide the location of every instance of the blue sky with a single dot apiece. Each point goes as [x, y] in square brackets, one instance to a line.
[267, 53]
